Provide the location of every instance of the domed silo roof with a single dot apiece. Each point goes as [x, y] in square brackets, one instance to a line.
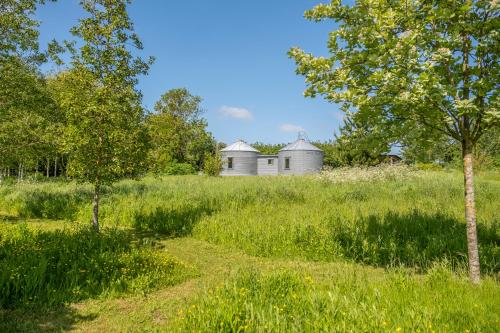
[240, 145]
[239, 159]
[300, 144]
[299, 158]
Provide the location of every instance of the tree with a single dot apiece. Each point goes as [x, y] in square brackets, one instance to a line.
[19, 30]
[177, 131]
[212, 164]
[26, 108]
[432, 64]
[429, 146]
[268, 148]
[104, 131]
[28, 126]
[361, 144]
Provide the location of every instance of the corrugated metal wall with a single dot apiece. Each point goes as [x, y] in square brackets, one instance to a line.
[244, 163]
[266, 169]
[301, 162]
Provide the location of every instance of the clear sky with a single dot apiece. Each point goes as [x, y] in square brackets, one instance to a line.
[232, 53]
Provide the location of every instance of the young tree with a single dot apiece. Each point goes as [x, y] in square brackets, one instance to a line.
[104, 131]
[414, 63]
[212, 164]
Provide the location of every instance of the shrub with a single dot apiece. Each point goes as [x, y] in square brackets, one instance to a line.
[212, 165]
[175, 168]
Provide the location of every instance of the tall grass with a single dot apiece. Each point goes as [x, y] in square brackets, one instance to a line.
[287, 301]
[402, 220]
[384, 217]
[48, 268]
[50, 200]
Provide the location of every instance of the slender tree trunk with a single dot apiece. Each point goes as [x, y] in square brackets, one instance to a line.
[55, 167]
[470, 211]
[95, 215]
[48, 167]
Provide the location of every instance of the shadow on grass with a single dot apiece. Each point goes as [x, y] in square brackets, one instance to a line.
[8, 218]
[415, 240]
[172, 222]
[56, 319]
[51, 205]
[41, 272]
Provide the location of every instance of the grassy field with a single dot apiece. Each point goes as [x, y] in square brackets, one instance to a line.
[376, 250]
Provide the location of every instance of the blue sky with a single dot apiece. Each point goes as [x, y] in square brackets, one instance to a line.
[232, 53]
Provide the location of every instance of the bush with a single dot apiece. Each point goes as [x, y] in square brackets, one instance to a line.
[175, 168]
[212, 165]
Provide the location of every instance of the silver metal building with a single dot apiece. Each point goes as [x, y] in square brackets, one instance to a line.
[267, 165]
[299, 158]
[239, 159]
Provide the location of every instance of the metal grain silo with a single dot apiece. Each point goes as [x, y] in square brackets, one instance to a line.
[239, 159]
[299, 158]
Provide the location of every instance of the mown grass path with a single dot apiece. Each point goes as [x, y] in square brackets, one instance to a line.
[155, 311]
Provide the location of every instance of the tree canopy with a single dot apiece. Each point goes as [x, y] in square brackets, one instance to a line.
[177, 131]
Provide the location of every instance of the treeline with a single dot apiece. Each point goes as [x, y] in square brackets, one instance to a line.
[359, 144]
[88, 121]
[32, 132]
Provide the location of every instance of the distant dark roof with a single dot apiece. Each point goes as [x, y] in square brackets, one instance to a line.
[392, 156]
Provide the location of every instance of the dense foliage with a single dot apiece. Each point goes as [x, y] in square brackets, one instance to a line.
[178, 132]
[212, 165]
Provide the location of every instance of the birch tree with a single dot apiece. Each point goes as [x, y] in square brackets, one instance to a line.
[432, 64]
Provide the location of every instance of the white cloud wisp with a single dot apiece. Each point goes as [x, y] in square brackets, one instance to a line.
[290, 128]
[236, 112]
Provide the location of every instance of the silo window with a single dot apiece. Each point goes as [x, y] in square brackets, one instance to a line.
[270, 161]
[229, 162]
[287, 163]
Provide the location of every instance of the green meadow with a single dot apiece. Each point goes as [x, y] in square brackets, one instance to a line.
[360, 250]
